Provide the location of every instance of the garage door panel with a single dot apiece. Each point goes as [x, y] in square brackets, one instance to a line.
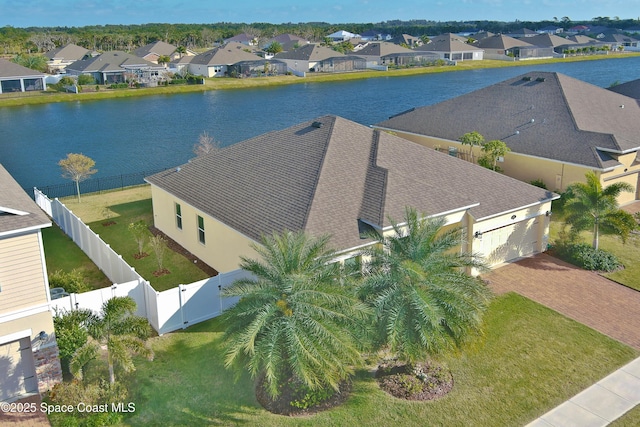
[510, 242]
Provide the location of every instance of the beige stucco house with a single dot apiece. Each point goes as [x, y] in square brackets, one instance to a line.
[60, 57]
[28, 349]
[558, 128]
[334, 176]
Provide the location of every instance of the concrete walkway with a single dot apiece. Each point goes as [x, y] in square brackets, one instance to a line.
[600, 404]
[597, 302]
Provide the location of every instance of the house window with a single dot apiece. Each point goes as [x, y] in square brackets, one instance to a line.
[447, 56]
[456, 56]
[178, 216]
[467, 55]
[201, 229]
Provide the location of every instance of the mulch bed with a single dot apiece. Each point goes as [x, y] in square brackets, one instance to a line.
[108, 223]
[162, 272]
[420, 381]
[282, 406]
[140, 255]
[175, 247]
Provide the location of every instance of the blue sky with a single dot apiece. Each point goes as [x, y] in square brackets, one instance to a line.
[26, 13]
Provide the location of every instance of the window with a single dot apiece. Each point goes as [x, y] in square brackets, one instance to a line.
[178, 216]
[467, 55]
[201, 229]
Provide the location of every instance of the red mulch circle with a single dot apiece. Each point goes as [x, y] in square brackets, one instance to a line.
[108, 223]
[162, 272]
[281, 405]
[420, 381]
[140, 255]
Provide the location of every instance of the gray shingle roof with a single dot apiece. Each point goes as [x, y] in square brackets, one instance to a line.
[500, 41]
[11, 69]
[548, 40]
[382, 49]
[17, 210]
[158, 47]
[69, 52]
[448, 43]
[309, 52]
[110, 61]
[323, 177]
[227, 54]
[630, 89]
[559, 118]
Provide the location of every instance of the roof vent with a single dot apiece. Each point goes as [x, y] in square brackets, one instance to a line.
[540, 79]
[316, 124]
[526, 78]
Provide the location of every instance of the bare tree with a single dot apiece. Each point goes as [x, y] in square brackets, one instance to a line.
[77, 167]
[206, 145]
[159, 245]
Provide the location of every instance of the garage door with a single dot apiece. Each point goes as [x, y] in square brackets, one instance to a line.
[510, 242]
[16, 360]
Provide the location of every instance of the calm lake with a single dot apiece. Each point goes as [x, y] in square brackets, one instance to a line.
[139, 134]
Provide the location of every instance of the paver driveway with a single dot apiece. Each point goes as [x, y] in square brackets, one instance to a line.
[584, 296]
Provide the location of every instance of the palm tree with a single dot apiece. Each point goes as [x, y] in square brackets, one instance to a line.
[119, 332]
[424, 300]
[589, 206]
[293, 320]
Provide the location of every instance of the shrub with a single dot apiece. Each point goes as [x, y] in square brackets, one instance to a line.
[304, 397]
[71, 333]
[86, 79]
[72, 282]
[178, 82]
[75, 392]
[538, 183]
[119, 86]
[585, 256]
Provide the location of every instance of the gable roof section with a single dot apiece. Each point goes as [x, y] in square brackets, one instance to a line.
[448, 43]
[159, 47]
[500, 41]
[110, 61]
[556, 117]
[549, 40]
[383, 49]
[10, 69]
[17, 211]
[227, 54]
[310, 52]
[69, 52]
[630, 89]
[322, 176]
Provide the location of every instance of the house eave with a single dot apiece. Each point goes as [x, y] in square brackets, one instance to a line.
[540, 202]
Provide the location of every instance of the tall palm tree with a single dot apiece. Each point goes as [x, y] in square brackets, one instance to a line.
[294, 319]
[589, 206]
[117, 330]
[424, 300]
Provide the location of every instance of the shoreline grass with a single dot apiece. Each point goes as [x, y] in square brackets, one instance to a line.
[217, 83]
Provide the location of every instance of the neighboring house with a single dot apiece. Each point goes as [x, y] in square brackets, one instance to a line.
[407, 39]
[16, 78]
[373, 35]
[215, 62]
[508, 48]
[245, 39]
[452, 47]
[630, 89]
[620, 42]
[61, 57]
[578, 29]
[28, 350]
[333, 176]
[483, 34]
[550, 29]
[287, 41]
[558, 44]
[152, 51]
[522, 33]
[256, 68]
[117, 67]
[316, 58]
[342, 36]
[558, 128]
[384, 53]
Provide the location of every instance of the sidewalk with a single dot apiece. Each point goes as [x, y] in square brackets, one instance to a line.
[600, 404]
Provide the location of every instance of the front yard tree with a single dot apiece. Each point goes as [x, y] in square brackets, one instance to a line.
[119, 332]
[77, 167]
[472, 139]
[294, 322]
[424, 300]
[589, 206]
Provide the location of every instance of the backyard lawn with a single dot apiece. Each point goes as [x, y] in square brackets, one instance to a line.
[531, 360]
[120, 208]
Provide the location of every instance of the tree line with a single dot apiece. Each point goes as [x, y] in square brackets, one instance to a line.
[15, 40]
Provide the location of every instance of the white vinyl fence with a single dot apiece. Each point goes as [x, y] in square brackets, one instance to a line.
[167, 311]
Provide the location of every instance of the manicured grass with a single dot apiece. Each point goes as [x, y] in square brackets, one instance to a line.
[630, 419]
[230, 83]
[531, 360]
[63, 254]
[124, 207]
[628, 254]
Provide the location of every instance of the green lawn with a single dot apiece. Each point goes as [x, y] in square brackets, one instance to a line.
[531, 360]
[63, 254]
[628, 254]
[122, 207]
[630, 419]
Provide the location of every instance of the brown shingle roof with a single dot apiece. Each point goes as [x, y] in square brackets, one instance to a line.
[322, 176]
[17, 210]
[542, 114]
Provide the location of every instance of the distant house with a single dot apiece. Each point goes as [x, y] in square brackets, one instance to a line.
[452, 47]
[619, 41]
[287, 41]
[316, 58]
[243, 38]
[550, 29]
[333, 176]
[215, 62]
[384, 53]
[342, 36]
[522, 33]
[558, 44]
[503, 47]
[407, 39]
[117, 67]
[28, 348]
[258, 67]
[558, 128]
[373, 35]
[60, 57]
[16, 78]
[153, 51]
[577, 29]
